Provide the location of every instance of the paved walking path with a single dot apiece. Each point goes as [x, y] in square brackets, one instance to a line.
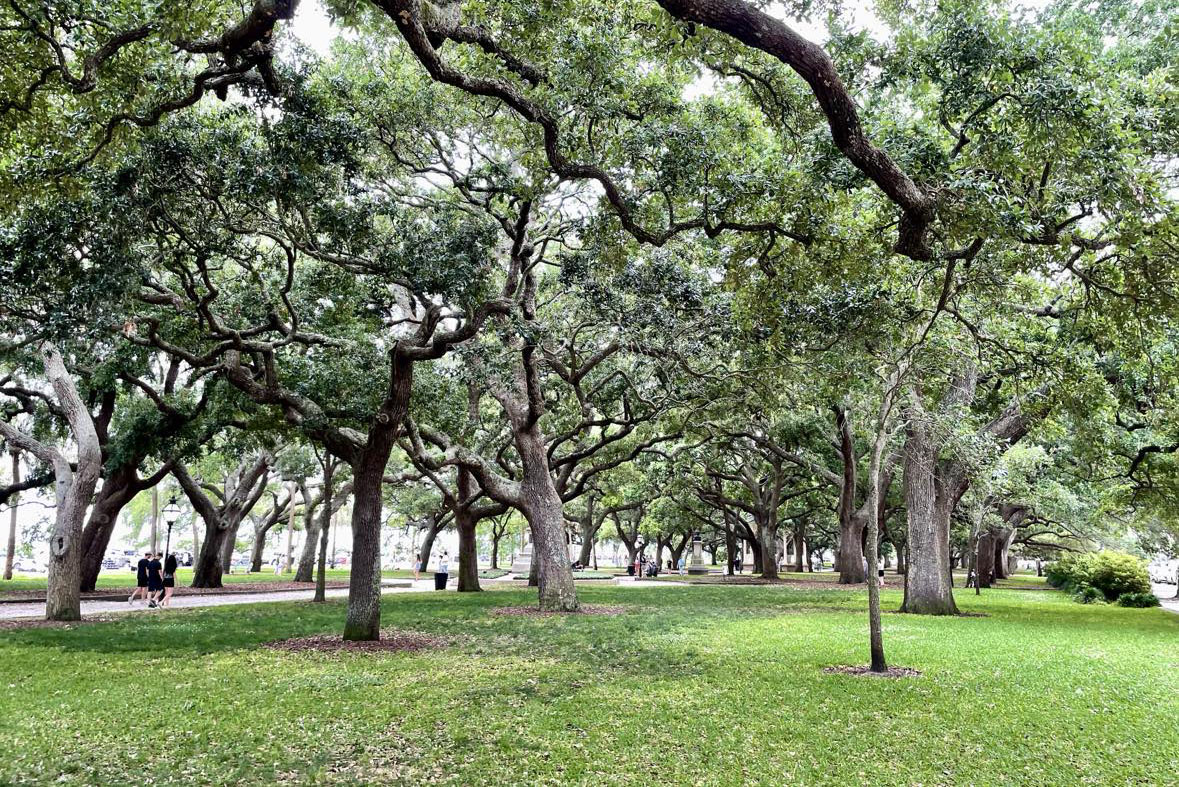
[13, 611]
[1166, 594]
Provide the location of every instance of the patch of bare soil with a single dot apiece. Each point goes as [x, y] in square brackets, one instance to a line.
[866, 672]
[584, 609]
[390, 642]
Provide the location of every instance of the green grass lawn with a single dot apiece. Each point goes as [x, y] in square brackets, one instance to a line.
[691, 685]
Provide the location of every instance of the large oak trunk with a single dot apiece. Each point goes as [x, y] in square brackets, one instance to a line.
[677, 551]
[325, 525]
[74, 490]
[1003, 539]
[546, 519]
[207, 570]
[427, 546]
[227, 546]
[850, 561]
[851, 551]
[767, 536]
[984, 574]
[364, 585]
[466, 522]
[468, 553]
[118, 489]
[305, 570]
[730, 545]
[587, 549]
[10, 555]
[257, 548]
[62, 598]
[758, 561]
[927, 580]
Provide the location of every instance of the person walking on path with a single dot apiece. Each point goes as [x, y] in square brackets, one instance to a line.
[140, 579]
[169, 581]
[155, 580]
[417, 569]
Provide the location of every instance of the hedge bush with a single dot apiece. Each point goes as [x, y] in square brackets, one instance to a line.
[1114, 574]
[1138, 600]
[1087, 594]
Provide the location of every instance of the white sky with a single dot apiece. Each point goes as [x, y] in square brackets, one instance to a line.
[314, 29]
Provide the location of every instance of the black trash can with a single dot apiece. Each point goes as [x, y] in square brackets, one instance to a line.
[440, 580]
[630, 570]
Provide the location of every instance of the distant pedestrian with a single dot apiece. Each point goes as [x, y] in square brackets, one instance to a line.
[169, 580]
[880, 576]
[155, 580]
[140, 579]
[681, 565]
[638, 567]
[417, 569]
[442, 574]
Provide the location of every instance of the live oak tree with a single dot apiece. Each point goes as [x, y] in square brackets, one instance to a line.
[223, 508]
[237, 293]
[74, 484]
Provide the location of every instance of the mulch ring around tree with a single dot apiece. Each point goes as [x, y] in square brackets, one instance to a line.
[584, 609]
[391, 641]
[866, 672]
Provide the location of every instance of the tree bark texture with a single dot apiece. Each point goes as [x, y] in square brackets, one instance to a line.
[927, 581]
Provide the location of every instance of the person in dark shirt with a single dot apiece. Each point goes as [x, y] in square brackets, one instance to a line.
[155, 580]
[141, 582]
[169, 581]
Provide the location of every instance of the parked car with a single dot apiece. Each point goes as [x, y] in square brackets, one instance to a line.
[1163, 573]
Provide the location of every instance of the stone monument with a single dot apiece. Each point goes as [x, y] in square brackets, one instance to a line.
[696, 565]
[522, 565]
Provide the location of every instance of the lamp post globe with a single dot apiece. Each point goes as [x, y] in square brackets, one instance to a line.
[171, 514]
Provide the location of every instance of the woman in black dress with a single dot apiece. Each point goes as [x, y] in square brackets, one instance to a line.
[169, 581]
[155, 580]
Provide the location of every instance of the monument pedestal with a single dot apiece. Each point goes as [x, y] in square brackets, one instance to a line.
[523, 562]
[696, 565]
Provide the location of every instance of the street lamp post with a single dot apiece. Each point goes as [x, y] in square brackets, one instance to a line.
[171, 514]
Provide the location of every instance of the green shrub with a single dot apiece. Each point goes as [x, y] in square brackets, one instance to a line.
[1138, 600]
[493, 573]
[1087, 594]
[1112, 573]
[1067, 572]
[1116, 573]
